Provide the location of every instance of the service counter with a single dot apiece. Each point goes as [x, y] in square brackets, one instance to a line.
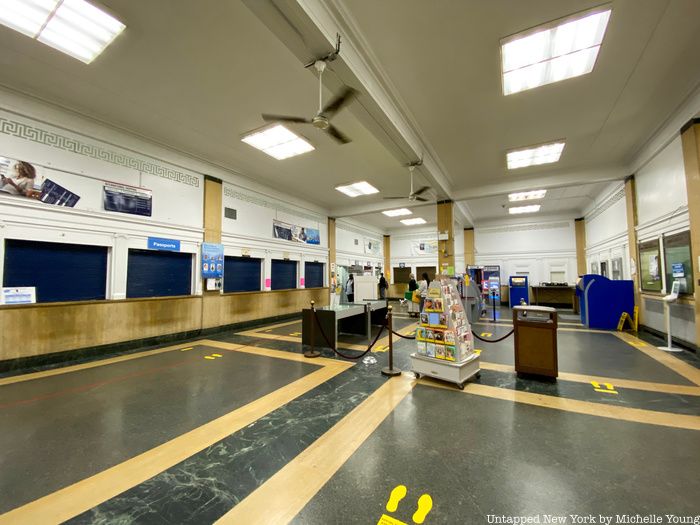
[562, 296]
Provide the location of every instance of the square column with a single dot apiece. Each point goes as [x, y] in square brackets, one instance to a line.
[690, 139]
[446, 235]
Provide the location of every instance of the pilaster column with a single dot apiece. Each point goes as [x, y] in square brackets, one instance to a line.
[446, 246]
[469, 252]
[331, 253]
[387, 259]
[631, 202]
[690, 138]
[580, 226]
[212, 209]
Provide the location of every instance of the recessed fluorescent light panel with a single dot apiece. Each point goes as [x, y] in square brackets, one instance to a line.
[534, 155]
[357, 188]
[527, 195]
[397, 213]
[524, 209]
[413, 222]
[74, 27]
[552, 52]
[278, 142]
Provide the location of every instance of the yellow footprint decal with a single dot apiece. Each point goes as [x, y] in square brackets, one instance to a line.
[425, 504]
[395, 498]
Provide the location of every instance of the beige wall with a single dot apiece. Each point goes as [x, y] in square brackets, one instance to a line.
[33, 330]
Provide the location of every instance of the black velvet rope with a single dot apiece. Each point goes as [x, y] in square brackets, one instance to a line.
[492, 340]
[330, 345]
[404, 336]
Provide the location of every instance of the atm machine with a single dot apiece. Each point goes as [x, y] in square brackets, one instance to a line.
[491, 282]
[519, 290]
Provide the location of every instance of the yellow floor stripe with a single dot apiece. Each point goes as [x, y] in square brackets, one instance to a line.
[269, 352]
[682, 368]
[94, 364]
[88, 493]
[623, 383]
[282, 496]
[274, 326]
[636, 415]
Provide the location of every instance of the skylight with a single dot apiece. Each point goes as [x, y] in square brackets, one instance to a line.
[534, 155]
[278, 142]
[397, 213]
[562, 49]
[524, 209]
[357, 188]
[527, 195]
[74, 27]
[413, 222]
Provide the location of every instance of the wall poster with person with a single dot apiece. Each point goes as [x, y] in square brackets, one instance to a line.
[22, 179]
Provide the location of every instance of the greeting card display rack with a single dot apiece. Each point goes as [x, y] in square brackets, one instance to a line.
[445, 346]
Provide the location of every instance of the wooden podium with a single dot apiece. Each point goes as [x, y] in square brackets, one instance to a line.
[536, 340]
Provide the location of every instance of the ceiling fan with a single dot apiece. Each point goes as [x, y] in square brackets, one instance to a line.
[322, 119]
[414, 195]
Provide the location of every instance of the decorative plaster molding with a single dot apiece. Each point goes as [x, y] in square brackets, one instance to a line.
[231, 191]
[54, 139]
[606, 204]
[524, 227]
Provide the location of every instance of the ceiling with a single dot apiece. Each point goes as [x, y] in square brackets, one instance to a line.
[196, 76]
[381, 221]
[570, 201]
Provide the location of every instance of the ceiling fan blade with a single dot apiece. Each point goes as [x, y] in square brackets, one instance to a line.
[336, 104]
[422, 199]
[337, 135]
[404, 198]
[421, 190]
[284, 118]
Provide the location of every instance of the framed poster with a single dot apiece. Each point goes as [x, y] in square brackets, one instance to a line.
[127, 199]
[212, 260]
[679, 263]
[649, 263]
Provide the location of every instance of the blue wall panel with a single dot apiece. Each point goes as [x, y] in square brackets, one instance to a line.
[60, 272]
[284, 274]
[242, 274]
[313, 275]
[158, 274]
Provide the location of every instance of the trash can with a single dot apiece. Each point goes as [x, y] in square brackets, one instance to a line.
[535, 340]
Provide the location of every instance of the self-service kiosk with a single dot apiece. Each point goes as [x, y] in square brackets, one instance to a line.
[519, 290]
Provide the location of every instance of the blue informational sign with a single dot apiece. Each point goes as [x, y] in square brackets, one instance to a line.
[168, 245]
[212, 260]
[678, 270]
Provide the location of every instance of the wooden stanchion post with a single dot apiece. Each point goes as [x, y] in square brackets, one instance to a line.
[390, 371]
[312, 334]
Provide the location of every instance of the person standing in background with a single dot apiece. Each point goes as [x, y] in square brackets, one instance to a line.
[350, 289]
[412, 287]
[383, 285]
[423, 288]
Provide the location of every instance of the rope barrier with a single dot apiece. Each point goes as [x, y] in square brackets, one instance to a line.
[492, 340]
[332, 347]
[404, 336]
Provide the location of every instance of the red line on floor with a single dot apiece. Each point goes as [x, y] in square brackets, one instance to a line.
[92, 386]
